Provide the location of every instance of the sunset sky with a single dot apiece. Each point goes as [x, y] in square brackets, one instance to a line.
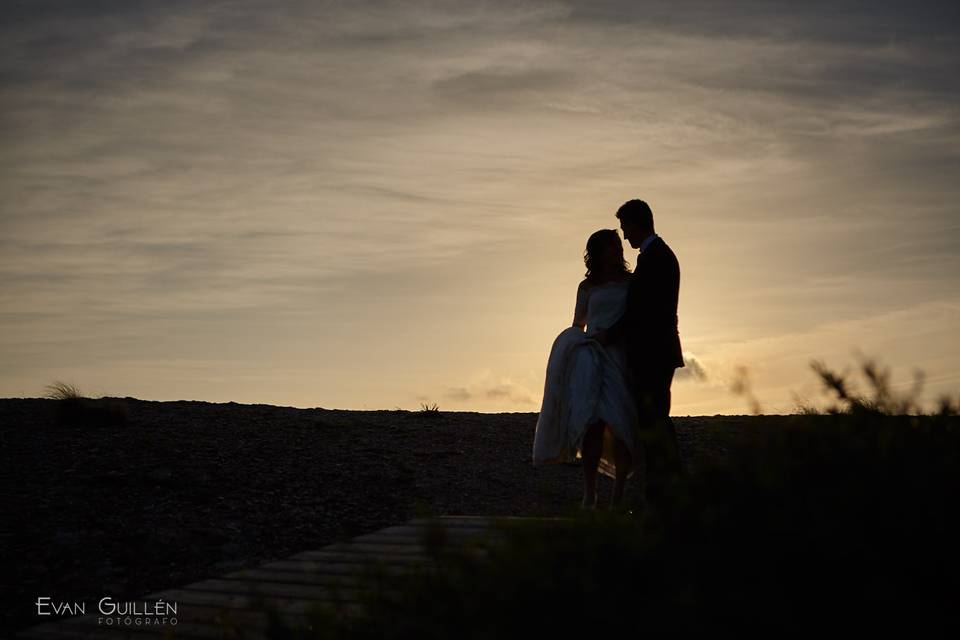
[374, 205]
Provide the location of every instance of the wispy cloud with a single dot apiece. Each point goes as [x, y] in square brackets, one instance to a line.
[692, 370]
[500, 391]
[397, 175]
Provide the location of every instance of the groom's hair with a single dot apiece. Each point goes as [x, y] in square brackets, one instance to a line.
[636, 212]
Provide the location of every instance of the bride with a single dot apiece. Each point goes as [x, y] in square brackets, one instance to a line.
[588, 410]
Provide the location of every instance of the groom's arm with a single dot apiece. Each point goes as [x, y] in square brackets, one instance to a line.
[664, 290]
[618, 330]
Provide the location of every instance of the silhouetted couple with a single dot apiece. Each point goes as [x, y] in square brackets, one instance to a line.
[607, 389]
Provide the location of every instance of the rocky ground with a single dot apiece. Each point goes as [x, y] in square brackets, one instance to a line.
[188, 490]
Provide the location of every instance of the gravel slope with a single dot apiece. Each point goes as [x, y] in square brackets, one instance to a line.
[188, 490]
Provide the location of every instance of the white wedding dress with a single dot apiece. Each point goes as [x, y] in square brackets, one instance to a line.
[585, 383]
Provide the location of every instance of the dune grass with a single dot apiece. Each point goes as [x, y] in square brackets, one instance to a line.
[76, 410]
[63, 391]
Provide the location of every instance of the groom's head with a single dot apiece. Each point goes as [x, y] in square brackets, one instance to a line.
[636, 221]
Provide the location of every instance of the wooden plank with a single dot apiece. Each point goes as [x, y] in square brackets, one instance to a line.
[203, 621]
[192, 630]
[446, 538]
[226, 617]
[186, 597]
[294, 585]
[259, 618]
[274, 589]
[237, 602]
[59, 631]
[390, 554]
[43, 633]
[481, 522]
[458, 533]
[485, 521]
[353, 567]
[346, 557]
[297, 577]
[62, 632]
[89, 627]
[376, 549]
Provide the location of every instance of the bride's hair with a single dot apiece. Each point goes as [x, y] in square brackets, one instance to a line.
[595, 245]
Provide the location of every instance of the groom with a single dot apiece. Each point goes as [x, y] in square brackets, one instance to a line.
[648, 331]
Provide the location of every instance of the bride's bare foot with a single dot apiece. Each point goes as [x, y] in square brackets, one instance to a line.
[588, 502]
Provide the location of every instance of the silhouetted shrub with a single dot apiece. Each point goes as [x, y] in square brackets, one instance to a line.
[429, 410]
[843, 523]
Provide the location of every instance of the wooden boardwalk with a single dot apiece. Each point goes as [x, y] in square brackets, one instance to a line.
[236, 603]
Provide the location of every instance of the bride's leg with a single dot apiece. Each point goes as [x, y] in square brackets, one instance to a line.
[624, 462]
[592, 448]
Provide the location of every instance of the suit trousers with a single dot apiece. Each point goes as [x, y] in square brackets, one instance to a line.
[657, 433]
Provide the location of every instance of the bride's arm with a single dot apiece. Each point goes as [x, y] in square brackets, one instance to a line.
[580, 309]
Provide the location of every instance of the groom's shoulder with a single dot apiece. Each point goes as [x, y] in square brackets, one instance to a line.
[664, 248]
[661, 256]
[657, 248]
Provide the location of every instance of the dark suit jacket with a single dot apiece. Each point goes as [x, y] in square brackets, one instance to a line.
[648, 326]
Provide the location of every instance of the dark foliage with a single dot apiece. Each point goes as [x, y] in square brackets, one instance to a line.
[844, 523]
[429, 410]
